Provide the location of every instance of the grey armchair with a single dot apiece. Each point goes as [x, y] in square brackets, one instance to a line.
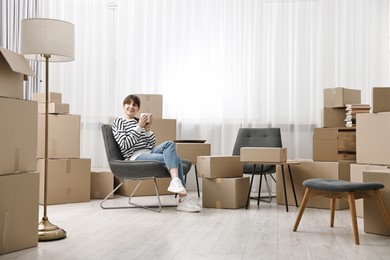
[133, 170]
[258, 137]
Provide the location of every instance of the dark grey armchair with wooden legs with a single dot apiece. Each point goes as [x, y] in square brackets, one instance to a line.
[134, 170]
[258, 137]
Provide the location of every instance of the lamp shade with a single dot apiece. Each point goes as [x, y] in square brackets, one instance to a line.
[42, 36]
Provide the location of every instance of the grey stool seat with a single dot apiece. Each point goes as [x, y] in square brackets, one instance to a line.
[340, 189]
[340, 185]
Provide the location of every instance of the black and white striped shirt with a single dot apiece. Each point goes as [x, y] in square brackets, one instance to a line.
[131, 137]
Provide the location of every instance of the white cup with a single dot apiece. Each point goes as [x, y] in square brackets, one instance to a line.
[148, 116]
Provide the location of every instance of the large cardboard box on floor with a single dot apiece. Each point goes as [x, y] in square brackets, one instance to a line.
[263, 154]
[19, 211]
[225, 193]
[64, 136]
[357, 176]
[308, 169]
[333, 117]
[102, 183]
[146, 188]
[219, 166]
[373, 138]
[339, 97]
[380, 99]
[164, 129]
[69, 180]
[191, 151]
[151, 103]
[13, 67]
[334, 144]
[18, 138]
[373, 219]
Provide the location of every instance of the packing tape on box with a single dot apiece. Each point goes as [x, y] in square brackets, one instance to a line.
[4, 238]
[68, 166]
[218, 204]
[17, 159]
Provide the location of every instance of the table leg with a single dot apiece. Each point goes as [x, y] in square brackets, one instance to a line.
[250, 187]
[197, 181]
[284, 188]
[292, 185]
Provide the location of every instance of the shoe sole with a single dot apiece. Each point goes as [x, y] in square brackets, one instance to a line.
[177, 191]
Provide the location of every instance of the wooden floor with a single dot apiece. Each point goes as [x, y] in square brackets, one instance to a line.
[263, 232]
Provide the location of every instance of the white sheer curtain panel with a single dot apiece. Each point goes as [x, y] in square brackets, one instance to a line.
[220, 65]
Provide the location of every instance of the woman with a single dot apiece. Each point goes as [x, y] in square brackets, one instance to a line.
[137, 142]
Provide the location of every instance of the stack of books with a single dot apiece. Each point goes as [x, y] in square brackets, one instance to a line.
[352, 111]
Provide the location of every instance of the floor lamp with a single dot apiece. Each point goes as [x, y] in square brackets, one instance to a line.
[47, 40]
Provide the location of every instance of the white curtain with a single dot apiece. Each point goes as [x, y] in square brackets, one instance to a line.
[220, 65]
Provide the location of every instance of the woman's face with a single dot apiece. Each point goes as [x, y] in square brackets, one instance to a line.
[130, 109]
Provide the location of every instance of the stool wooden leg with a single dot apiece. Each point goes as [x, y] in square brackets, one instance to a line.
[381, 205]
[352, 209]
[332, 210]
[302, 209]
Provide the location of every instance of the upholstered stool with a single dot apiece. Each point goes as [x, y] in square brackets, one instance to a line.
[339, 189]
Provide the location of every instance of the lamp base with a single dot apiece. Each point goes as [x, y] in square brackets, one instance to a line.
[47, 231]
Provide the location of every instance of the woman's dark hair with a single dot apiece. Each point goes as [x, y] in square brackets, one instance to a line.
[133, 98]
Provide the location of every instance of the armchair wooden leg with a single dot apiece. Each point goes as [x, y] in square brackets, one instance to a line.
[352, 209]
[302, 208]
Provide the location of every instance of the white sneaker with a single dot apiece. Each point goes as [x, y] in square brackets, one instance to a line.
[177, 187]
[187, 205]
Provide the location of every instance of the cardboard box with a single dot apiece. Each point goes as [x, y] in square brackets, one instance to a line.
[308, 170]
[190, 151]
[146, 188]
[333, 117]
[64, 136]
[151, 104]
[357, 176]
[334, 144]
[102, 183]
[69, 180]
[219, 166]
[54, 97]
[339, 97]
[373, 139]
[225, 193]
[263, 154]
[164, 129]
[18, 138]
[19, 211]
[13, 67]
[54, 108]
[380, 100]
[373, 220]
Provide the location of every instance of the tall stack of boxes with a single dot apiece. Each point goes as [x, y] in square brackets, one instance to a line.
[373, 158]
[68, 174]
[223, 184]
[334, 149]
[19, 181]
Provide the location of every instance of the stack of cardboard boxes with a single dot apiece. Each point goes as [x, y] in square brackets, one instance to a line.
[334, 149]
[19, 181]
[373, 158]
[223, 184]
[68, 174]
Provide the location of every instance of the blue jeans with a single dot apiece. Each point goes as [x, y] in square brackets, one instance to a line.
[166, 154]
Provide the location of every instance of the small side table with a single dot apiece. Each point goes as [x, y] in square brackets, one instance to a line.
[282, 165]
